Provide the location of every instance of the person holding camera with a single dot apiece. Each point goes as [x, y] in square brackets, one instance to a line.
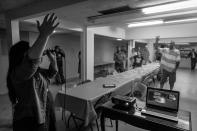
[138, 59]
[28, 84]
[60, 56]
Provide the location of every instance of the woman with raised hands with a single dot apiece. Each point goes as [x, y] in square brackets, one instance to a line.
[27, 85]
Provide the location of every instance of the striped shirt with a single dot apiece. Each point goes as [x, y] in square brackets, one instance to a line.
[169, 58]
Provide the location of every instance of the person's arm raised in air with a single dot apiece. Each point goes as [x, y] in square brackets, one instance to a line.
[53, 69]
[161, 50]
[31, 59]
[45, 30]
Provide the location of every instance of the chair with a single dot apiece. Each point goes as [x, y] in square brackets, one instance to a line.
[137, 80]
[148, 80]
[72, 115]
[139, 91]
[98, 104]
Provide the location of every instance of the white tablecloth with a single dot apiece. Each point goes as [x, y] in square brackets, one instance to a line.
[79, 100]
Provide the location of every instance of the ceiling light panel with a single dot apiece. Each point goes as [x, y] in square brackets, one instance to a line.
[146, 23]
[170, 7]
[181, 20]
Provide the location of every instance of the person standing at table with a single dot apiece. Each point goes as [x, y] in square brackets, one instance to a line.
[193, 57]
[138, 59]
[27, 85]
[60, 56]
[119, 58]
[169, 63]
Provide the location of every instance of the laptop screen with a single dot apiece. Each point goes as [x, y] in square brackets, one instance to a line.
[163, 99]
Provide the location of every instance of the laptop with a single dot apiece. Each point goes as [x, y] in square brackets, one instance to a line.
[162, 103]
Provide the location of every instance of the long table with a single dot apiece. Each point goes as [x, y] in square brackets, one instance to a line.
[80, 100]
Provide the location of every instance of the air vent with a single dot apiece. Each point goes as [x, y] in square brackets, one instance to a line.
[115, 10]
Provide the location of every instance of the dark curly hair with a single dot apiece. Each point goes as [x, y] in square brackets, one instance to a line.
[16, 55]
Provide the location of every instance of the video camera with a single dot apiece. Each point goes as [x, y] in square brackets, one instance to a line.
[47, 51]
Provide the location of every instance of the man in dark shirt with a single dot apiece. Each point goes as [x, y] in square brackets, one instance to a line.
[120, 60]
[138, 59]
[193, 56]
[60, 55]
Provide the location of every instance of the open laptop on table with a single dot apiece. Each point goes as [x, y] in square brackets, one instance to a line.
[162, 103]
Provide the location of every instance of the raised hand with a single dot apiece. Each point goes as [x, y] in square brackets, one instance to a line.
[51, 56]
[47, 27]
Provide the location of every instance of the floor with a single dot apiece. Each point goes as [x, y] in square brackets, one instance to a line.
[186, 84]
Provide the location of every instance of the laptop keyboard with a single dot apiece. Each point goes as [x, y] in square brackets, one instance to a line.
[162, 114]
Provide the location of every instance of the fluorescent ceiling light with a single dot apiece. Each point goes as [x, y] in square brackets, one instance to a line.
[146, 23]
[181, 20]
[170, 7]
[119, 39]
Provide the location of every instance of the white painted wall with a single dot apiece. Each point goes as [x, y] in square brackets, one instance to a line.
[104, 49]
[164, 31]
[3, 74]
[110, 31]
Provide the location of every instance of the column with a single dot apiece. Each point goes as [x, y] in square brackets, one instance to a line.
[87, 54]
[131, 45]
[12, 31]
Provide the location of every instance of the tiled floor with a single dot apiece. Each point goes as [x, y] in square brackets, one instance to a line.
[186, 84]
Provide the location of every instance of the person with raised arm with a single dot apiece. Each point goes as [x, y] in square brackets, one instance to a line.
[27, 84]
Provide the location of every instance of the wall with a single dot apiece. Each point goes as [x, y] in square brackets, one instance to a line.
[3, 65]
[109, 31]
[104, 49]
[164, 31]
[24, 35]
